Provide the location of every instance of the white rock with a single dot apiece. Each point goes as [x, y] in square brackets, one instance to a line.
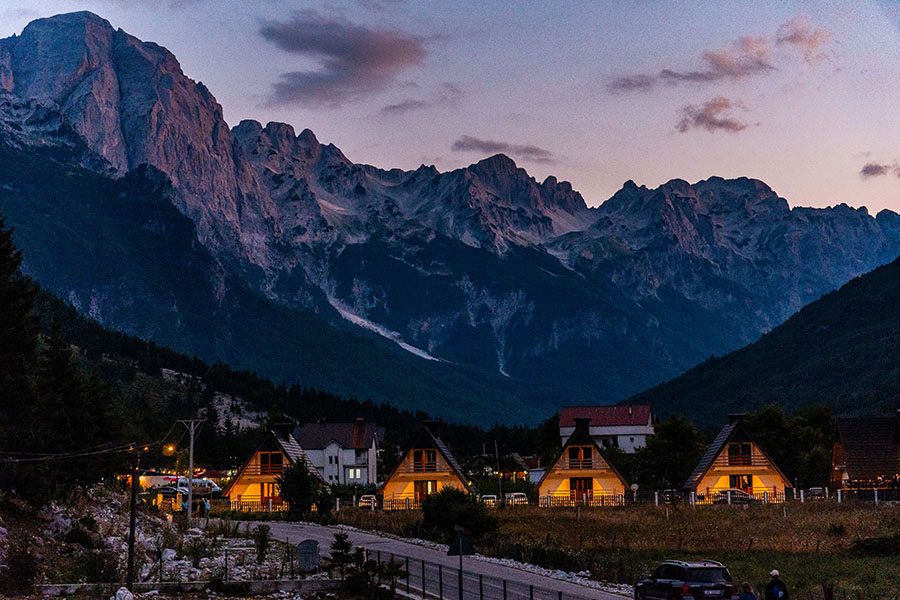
[124, 594]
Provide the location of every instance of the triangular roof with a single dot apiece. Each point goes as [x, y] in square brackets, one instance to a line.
[733, 429]
[607, 416]
[871, 446]
[426, 439]
[581, 437]
[288, 446]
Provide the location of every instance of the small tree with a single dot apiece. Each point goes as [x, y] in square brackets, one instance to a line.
[444, 511]
[300, 488]
[262, 537]
[342, 556]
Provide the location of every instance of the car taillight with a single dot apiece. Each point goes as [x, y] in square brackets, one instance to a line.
[686, 590]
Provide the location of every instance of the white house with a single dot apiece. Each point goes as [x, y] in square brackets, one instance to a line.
[342, 452]
[621, 426]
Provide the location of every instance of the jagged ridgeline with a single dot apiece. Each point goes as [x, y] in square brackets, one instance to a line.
[478, 293]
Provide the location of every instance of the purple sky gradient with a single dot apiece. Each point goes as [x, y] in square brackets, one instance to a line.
[802, 95]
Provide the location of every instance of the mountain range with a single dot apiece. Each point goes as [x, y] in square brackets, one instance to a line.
[476, 293]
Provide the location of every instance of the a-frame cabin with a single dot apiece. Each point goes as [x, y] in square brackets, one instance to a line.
[734, 461]
[254, 487]
[580, 475]
[427, 467]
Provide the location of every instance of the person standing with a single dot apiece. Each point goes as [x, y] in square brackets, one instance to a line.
[776, 589]
[747, 592]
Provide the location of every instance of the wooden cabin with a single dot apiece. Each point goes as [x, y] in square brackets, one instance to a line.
[580, 475]
[254, 487]
[427, 467]
[866, 453]
[735, 462]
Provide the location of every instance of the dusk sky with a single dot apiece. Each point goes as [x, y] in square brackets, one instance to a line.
[802, 95]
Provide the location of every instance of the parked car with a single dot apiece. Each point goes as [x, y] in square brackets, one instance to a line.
[515, 499]
[737, 497]
[169, 491]
[490, 499]
[681, 579]
[671, 496]
[815, 493]
[367, 501]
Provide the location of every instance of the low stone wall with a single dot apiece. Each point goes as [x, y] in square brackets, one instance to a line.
[106, 590]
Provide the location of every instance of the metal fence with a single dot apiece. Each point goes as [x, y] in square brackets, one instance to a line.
[431, 581]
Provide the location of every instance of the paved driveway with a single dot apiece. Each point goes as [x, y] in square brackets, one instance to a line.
[482, 580]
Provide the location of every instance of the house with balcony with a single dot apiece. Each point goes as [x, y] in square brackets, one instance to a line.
[427, 467]
[625, 427]
[580, 475]
[734, 461]
[254, 487]
[343, 453]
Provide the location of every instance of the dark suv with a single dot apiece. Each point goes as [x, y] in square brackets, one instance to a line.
[676, 579]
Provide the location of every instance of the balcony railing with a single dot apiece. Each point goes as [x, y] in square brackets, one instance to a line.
[421, 467]
[582, 499]
[258, 469]
[402, 503]
[741, 460]
[585, 463]
[257, 504]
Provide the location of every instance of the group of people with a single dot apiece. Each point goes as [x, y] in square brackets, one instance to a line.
[199, 507]
[775, 589]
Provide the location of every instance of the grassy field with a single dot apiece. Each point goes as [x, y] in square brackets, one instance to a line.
[853, 547]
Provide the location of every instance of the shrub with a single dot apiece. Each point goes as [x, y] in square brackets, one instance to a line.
[22, 566]
[450, 508]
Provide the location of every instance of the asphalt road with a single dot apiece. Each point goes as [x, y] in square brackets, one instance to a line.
[482, 580]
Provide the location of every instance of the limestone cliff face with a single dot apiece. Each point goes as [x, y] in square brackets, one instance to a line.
[132, 105]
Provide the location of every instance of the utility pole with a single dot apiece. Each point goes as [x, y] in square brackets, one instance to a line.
[499, 477]
[193, 425]
[135, 476]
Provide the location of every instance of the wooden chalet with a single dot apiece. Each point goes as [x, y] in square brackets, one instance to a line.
[254, 487]
[580, 475]
[866, 453]
[735, 462]
[427, 467]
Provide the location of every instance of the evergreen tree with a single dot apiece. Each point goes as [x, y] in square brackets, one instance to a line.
[18, 339]
[342, 557]
[300, 488]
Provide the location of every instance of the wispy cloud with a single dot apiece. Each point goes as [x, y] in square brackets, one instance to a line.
[526, 152]
[748, 56]
[406, 106]
[875, 169]
[448, 95]
[798, 33]
[713, 115]
[355, 61]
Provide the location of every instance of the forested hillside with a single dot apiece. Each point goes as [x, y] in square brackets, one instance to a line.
[842, 351]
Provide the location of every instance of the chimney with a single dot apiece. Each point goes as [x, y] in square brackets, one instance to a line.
[433, 425]
[284, 429]
[736, 417]
[582, 422]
